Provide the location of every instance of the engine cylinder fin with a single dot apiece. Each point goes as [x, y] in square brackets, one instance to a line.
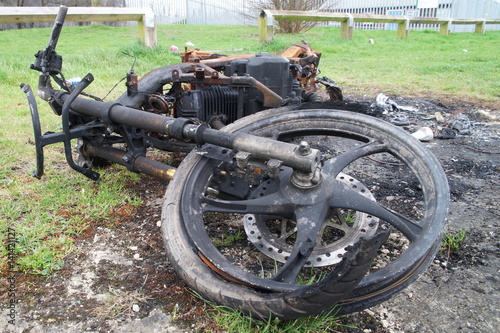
[214, 100]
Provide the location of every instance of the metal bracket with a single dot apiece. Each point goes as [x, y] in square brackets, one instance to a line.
[65, 125]
[216, 152]
[135, 138]
[35, 119]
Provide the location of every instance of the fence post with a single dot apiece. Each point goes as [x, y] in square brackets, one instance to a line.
[347, 27]
[266, 30]
[403, 28]
[444, 28]
[147, 28]
[480, 27]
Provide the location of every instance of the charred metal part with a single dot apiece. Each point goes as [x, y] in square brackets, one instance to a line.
[199, 73]
[273, 167]
[242, 159]
[50, 138]
[265, 149]
[304, 148]
[212, 102]
[35, 119]
[217, 122]
[140, 163]
[48, 61]
[334, 91]
[66, 128]
[161, 104]
[260, 148]
[170, 144]
[306, 180]
[216, 152]
[53, 97]
[135, 139]
[175, 75]
[215, 60]
[229, 186]
[131, 83]
[346, 229]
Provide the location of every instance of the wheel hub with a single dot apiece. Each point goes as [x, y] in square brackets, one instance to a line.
[274, 236]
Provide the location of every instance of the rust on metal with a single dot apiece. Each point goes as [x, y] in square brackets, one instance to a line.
[141, 164]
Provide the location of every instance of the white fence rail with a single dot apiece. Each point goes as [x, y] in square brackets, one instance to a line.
[144, 17]
[347, 20]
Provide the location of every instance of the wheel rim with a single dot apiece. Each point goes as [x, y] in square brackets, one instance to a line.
[372, 139]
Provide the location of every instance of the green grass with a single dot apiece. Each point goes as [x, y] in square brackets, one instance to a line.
[49, 214]
[426, 63]
[233, 321]
[453, 240]
[229, 239]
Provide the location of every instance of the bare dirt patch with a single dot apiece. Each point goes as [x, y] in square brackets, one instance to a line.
[119, 280]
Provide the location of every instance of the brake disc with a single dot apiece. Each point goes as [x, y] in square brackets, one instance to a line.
[275, 236]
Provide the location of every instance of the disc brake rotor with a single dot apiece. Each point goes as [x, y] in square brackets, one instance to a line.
[274, 236]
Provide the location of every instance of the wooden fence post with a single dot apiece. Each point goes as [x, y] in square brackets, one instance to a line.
[147, 28]
[403, 28]
[266, 30]
[444, 28]
[480, 27]
[347, 27]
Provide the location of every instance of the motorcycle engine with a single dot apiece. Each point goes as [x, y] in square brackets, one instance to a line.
[236, 101]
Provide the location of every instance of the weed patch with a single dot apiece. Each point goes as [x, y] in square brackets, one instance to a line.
[453, 240]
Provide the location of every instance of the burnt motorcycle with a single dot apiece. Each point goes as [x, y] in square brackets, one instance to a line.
[277, 210]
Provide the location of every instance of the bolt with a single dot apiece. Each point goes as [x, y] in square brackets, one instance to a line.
[213, 191]
[304, 148]
[242, 159]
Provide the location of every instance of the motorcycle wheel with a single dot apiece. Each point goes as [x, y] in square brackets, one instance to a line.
[232, 233]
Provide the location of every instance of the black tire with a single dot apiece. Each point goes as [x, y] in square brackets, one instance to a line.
[190, 243]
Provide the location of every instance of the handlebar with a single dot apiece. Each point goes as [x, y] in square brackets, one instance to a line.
[48, 61]
[57, 27]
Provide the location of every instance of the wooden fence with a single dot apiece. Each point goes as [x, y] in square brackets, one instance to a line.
[267, 18]
[144, 17]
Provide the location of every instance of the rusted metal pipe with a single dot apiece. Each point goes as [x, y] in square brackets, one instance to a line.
[116, 113]
[141, 164]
